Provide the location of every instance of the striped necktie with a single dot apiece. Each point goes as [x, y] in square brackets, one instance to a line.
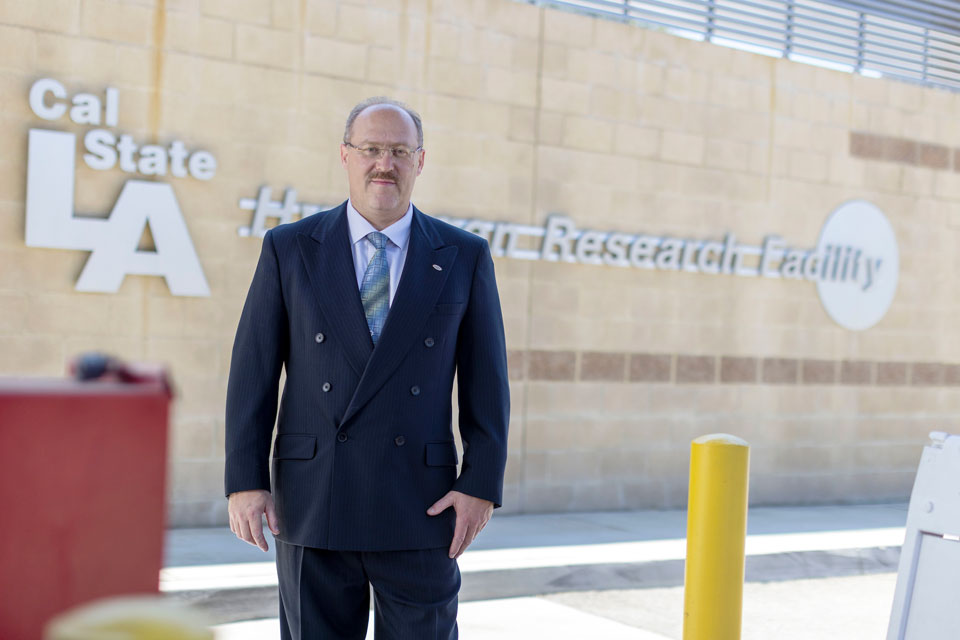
[375, 290]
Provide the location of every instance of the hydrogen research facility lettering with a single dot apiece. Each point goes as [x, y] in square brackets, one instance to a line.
[855, 263]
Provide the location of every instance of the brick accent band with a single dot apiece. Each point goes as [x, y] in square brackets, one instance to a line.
[665, 368]
[904, 151]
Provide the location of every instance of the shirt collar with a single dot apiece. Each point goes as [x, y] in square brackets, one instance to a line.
[398, 232]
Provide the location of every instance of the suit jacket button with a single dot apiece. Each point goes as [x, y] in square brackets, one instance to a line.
[325, 387]
[429, 342]
[319, 338]
[341, 437]
[415, 390]
[400, 441]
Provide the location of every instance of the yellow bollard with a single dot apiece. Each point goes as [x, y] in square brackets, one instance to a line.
[716, 532]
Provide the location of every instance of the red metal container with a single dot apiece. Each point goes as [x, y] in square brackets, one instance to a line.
[82, 480]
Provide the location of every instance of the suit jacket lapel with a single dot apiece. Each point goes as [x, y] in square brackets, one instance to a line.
[329, 263]
[420, 286]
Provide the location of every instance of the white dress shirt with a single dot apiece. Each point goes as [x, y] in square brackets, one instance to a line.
[398, 239]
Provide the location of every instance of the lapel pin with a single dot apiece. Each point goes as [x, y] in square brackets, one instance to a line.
[438, 267]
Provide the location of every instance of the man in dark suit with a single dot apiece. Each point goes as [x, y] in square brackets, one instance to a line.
[371, 308]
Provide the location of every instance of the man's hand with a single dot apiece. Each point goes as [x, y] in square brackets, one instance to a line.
[246, 516]
[473, 514]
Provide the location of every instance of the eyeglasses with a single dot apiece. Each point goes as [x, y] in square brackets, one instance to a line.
[371, 152]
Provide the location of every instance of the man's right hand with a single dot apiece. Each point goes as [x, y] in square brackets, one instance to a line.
[246, 510]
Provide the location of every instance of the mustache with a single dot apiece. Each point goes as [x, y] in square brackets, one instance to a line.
[383, 175]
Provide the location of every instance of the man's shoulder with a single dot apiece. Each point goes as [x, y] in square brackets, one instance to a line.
[454, 235]
[288, 232]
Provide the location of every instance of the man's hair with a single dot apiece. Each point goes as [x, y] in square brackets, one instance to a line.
[369, 102]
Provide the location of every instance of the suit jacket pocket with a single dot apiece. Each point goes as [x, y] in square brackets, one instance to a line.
[441, 454]
[292, 446]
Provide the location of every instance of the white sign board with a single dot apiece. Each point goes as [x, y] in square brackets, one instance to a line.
[928, 582]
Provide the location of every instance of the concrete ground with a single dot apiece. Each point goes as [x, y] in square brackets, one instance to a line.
[851, 608]
[812, 572]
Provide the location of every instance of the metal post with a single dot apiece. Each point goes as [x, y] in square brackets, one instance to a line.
[711, 16]
[788, 40]
[716, 533]
[926, 52]
[861, 41]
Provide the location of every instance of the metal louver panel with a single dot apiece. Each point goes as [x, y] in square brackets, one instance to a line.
[911, 40]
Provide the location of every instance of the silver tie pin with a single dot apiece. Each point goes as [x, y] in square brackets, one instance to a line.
[438, 267]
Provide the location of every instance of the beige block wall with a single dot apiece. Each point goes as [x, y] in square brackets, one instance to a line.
[527, 112]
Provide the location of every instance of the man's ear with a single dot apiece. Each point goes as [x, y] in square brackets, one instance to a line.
[423, 154]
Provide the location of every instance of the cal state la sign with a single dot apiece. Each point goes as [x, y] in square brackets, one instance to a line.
[51, 221]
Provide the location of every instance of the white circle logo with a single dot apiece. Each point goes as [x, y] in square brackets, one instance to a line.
[859, 264]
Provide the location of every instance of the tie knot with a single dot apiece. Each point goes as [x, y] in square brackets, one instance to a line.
[377, 239]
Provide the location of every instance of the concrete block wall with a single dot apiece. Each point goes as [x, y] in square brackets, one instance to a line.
[527, 111]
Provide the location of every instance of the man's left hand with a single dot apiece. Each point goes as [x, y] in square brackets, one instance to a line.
[472, 516]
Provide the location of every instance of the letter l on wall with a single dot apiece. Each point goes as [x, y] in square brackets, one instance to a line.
[50, 180]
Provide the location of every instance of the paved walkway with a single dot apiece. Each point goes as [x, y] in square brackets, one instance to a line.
[847, 608]
[519, 560]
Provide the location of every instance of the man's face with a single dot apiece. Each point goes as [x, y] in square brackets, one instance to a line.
[380, 186]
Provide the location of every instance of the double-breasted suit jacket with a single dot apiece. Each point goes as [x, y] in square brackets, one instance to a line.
[364, 441]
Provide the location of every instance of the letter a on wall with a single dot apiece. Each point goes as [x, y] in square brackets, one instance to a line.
[51, 224]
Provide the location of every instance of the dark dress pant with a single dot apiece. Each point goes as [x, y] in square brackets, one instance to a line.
[325, 595]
